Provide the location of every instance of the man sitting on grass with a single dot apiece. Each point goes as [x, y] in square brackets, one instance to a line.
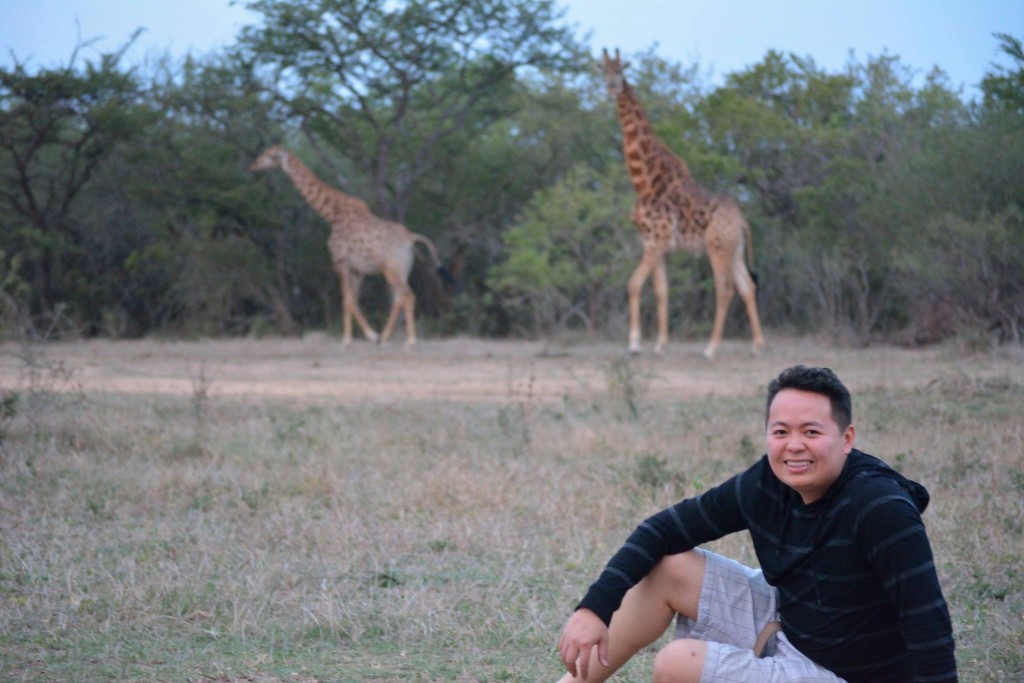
[846, 567]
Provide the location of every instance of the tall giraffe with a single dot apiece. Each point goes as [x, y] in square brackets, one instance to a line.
[360, 244]
[673, 212]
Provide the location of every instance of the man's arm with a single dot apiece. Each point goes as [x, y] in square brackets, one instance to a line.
[682, 527]
[896, 546]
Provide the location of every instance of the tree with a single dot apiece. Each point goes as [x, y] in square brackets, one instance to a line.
[825, 160]
[484, 181]
[785, 123]
[568, 257]
[217, 250]
[57, 127]
[964, 278]
[959, 197]
[389, 84]
[1004, 88]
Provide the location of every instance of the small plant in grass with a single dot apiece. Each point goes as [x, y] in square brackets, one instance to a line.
[515, 417]
[13, 292]
[747, 449]
[653, 473]
[44, 385]
[199, 400]
[195, 446]
[626, 383]
[1017, 480]
[8, 411]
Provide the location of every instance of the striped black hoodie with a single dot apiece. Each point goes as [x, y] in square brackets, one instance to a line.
[858, 592]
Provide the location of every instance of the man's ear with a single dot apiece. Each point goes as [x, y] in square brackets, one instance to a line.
[848, 438]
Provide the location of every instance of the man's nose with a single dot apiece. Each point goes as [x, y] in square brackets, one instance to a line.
[795, 443]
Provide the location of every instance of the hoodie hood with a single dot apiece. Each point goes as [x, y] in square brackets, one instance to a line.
[860, 464]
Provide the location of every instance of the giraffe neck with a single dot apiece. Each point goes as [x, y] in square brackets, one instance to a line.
[323, 199]
[652, 166]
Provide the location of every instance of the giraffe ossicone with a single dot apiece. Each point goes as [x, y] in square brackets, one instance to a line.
[360, 244]
[672, 212]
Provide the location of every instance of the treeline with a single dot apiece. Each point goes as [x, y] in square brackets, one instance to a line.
[883, 206]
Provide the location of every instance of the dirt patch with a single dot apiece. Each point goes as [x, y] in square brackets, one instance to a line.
[316, 366]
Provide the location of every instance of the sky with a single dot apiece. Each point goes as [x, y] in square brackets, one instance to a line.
[722, 36]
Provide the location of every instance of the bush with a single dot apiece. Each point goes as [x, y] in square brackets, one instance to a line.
[967, 274]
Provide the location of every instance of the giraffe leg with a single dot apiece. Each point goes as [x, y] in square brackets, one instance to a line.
[724, 291]
[660, 282]
[346, 310]
[410, 319]
[748, 292]
[635, 288]
[396, 306]
[351, 284]
[402, 300]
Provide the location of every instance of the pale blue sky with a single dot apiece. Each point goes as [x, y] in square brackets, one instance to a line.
[722, 35]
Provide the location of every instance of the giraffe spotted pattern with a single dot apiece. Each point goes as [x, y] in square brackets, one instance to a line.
[360, 244]
[672, 212]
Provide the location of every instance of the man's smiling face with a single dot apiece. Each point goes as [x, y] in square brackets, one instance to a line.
[806, 449]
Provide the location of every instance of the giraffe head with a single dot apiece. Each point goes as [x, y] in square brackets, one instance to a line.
[274, 157]
[614, 70]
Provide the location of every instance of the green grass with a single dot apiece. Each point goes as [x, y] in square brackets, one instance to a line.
[203, 538]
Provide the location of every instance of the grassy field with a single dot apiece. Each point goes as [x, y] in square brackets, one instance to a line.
[213, 523]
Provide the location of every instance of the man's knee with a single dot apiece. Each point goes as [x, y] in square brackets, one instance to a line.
[683, 568]
[681, 661]
[680, 578]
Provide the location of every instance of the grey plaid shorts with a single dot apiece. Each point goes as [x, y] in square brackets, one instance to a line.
[735, 604]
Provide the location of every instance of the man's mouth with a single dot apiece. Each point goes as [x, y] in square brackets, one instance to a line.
[798, 465]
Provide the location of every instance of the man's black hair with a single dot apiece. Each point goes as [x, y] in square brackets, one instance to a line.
[820, 381]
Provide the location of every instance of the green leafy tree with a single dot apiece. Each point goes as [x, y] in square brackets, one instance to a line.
[484, 182]
[58, 126]
[785, 123]
[776, 135]
[964, 278]
[957, 196]
[388, 85]
[219, 252]
[1004, 87]
[823, 160]
[398, 101]
[568, 256]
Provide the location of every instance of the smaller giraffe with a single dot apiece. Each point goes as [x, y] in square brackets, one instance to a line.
[360, 244]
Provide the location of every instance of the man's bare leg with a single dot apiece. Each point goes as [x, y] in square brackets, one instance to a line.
[681, 661]
[672, 587]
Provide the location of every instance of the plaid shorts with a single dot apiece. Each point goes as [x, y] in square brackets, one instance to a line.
[735, 604]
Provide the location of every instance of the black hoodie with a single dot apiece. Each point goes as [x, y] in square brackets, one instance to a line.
[858, 592]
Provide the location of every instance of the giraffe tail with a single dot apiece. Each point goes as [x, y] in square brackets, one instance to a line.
[446, 275]
[425, 241]
[748, 252]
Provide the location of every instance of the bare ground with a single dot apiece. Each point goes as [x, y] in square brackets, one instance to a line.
[316, 366]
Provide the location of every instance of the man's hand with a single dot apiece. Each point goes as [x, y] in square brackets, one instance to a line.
[583, 631]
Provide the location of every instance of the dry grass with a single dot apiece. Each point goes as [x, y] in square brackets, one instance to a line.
[209, 537]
